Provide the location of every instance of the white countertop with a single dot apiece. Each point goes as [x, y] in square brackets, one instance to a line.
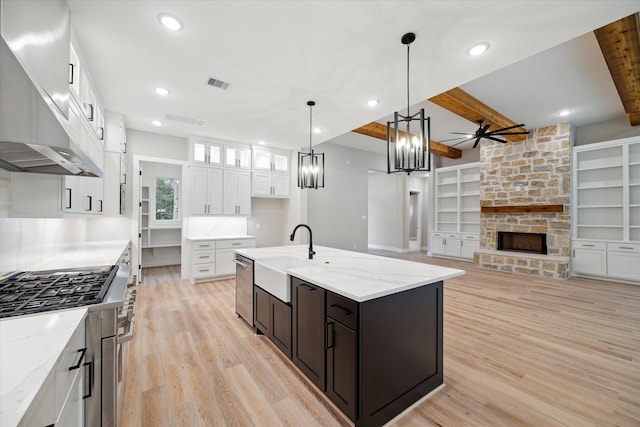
[29, 348]
[358, 276]
[82, 255]
[199, 238]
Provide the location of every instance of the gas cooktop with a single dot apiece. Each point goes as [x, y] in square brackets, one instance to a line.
[40, 291]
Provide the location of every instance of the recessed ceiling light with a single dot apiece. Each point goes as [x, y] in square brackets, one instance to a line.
[162, 91]
[170, 22]
[478, 49]
[261, 142]
[372, 102]
[157, 123]
[317, 130]
[564, 113]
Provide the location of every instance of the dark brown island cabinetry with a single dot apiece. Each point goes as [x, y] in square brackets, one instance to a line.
[272, 317]
[308, 305]
[381, 355]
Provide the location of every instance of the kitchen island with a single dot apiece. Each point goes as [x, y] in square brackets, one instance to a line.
[366, 330]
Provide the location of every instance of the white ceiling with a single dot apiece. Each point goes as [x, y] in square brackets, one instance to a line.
[279, 54]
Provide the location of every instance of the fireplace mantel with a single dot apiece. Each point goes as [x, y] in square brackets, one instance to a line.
[522, 208]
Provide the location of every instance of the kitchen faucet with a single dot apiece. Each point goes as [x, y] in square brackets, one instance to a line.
[293, 235]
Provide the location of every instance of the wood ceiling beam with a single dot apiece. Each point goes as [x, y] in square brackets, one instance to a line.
[620, 46]
[378, 130]
[466, 106]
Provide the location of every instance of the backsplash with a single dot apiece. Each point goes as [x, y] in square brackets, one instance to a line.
[216, 226]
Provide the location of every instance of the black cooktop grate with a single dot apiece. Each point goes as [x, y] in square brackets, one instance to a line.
[34, 292]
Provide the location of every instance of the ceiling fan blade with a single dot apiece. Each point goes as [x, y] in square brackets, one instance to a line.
[484, 129]
[461, 142]
[461, 133]
[507, 133]
[477, 142]
[495, 139]
[454, 139]
[509, 127]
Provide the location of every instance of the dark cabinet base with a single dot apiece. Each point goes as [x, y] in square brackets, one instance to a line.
[272, 317]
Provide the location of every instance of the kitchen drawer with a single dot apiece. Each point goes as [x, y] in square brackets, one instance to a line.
[466, 236]
[244, 243]
[343, 310]
[204, 244]
[586, 244]
[203, 270]
[203, 257]
[73, 356]
[452, 235]
[623, 247]
[437, 234]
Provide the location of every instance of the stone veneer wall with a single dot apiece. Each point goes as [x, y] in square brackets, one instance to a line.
[542, 162]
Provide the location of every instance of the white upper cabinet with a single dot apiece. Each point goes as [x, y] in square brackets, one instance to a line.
[206, 191]
[237, 193]
[237, 157]
[205, 152]
[74, 73]
[270, 160]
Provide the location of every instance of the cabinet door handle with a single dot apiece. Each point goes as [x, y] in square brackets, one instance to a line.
[101, 129]
[625, 247]
[68, 206]
[90, 107]
[90, 364]
[82, 352]
[461, 243]
[71, 66]
[588, 246]
[330, 335]
[344, 311]
[90, 200]
[309, 287]
[100, 208]
[203, 256]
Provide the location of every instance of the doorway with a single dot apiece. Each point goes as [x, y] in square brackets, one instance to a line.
[415, 220]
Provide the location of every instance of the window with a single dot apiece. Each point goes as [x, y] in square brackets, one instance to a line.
[167, 199]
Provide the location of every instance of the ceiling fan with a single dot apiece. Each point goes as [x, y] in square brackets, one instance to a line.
[484, 132]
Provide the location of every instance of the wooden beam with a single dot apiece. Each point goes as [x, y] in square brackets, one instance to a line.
[620, 46]
[522, 209]
[466, 106]
[379, 131]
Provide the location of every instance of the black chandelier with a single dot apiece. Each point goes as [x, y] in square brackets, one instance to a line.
[311, 164]
[407, 152]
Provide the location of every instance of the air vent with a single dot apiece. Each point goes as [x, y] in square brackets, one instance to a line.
[218, 83]
[184, 120]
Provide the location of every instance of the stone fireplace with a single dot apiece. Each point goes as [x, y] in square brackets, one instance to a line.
[525, 189]
[534, 243]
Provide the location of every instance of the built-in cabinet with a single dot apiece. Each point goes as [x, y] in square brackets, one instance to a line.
[271, 173]
[457, 211]
[213, 258]
[606, 209]
[82, 195]
[60, 399]
[220, 178]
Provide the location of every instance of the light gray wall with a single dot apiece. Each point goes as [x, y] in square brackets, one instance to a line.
[155, 145]
[268, 221]
[335, 213]
[605, 131]
[386, 211]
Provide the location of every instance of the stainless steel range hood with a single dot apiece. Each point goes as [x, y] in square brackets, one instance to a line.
[34, 134]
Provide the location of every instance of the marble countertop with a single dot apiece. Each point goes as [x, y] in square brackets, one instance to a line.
[199, 238]
[355, 275]
[30, 346]
[83, 255]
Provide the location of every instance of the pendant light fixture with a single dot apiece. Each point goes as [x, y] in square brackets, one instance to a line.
[310, 165]
[407, 152]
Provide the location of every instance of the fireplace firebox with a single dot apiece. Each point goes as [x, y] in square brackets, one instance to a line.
[535, 243]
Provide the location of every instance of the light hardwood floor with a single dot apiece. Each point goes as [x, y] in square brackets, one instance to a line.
[519, 351]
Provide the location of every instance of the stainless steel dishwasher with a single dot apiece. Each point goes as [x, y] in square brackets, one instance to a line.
[244, 288]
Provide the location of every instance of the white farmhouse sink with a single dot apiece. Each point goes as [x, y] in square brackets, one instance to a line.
[271, 275]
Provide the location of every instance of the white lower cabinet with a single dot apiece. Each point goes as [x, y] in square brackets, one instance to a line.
[455, 245]
[469, 244]
[623, 261]
[214, 258]
[82, 195]
[616, 260]
[59, 401]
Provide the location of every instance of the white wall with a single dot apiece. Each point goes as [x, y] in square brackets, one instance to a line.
[386, 211]
[338, 213]
[269, 221]
[606, 131]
